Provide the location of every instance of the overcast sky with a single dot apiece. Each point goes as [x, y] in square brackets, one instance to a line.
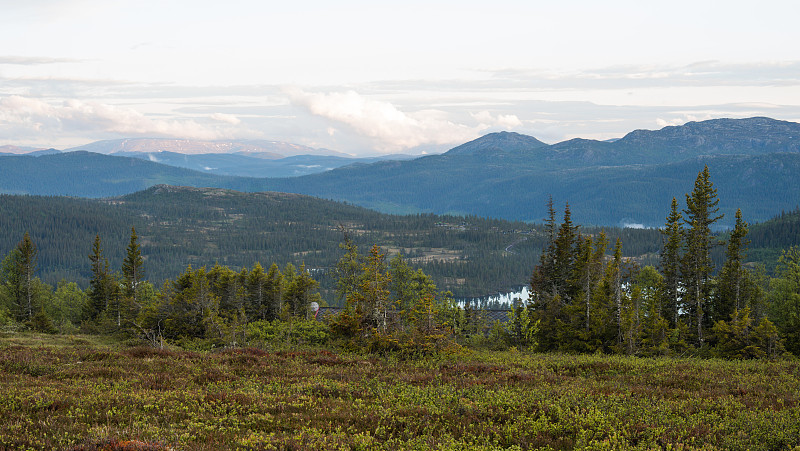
[367, 77]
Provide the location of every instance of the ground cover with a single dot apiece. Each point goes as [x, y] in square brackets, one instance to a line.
[80, 393]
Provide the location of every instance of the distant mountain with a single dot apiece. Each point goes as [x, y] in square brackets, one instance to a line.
[17, 150]
[87, 174]
[39, 153]
[502, 142]
[754, 136]
[753, 162]
[263, 148]
[246, 165]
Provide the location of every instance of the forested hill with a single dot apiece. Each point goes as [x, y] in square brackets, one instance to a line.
[87, 174]
[179, 226]
[495, 186]
[753, 163]
[769, 239]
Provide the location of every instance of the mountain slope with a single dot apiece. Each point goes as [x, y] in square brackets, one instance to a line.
[178, 226]
[87, 174]
[502, 142]
[252, 164]
[753, 163]
[273, 149]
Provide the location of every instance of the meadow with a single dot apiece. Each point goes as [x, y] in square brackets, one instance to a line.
[82, 393]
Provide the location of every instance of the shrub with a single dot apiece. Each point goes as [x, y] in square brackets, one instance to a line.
[278, 333]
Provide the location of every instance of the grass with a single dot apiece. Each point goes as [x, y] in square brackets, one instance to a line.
[88, 393]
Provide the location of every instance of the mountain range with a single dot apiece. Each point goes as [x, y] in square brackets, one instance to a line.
[753, 163]
[248, 164]
[262, 148]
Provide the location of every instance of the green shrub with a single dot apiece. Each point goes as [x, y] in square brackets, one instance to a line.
[278, 333]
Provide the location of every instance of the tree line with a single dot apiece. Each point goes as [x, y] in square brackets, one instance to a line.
[586, 301]
[585, 296]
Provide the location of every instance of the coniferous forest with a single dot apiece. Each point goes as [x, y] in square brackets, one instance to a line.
[683, 288]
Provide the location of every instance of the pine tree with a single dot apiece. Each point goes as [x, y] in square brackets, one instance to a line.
[273, 286]
[701, 209]
[25, 267]
[732, 282]
[133, 272]
[348, 270]
[255, 284]
[616, 292]
[300, 291]
[99, 286]
[541, 278]
[785, 295]
[564, 257]
[374, 288]
[671, 264]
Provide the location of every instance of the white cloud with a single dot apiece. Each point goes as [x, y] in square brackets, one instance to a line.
[19, 114]
[684, 118]
[34, 60]
[382, 121]
[227, 118]
[506, 121]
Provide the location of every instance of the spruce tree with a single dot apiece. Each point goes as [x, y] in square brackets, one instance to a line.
[99, 285]
[700, 214]
[273, 286]
[374, 288]
[732, 282]
[671, 264]
[25, 267]
[256, 306]
[300, 291]
[348, 270]
[133, 270]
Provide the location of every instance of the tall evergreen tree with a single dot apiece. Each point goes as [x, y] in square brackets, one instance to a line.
[348, 270]
[701, 213]
[100, 289]
[564, 257]
[616, 292]
[273, 286]
[256, 297]
[133, 271]
[785, 295]
[732, 284]
[671, 264]
[25, 267]
[542, 276]
[301, 291]
[374, 288]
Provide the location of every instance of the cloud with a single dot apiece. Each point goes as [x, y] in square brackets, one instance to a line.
[506, 121]
[34, 60]
[383, 122]
[19, 114]
[684, 118]
[227, 118]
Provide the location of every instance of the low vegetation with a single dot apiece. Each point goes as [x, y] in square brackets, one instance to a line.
[74, 392]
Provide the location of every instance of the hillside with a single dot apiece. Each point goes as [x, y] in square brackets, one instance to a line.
[753, 164]
[272, 149]
[249, 164]
[770, 238]
[87, 174]
[179, 226]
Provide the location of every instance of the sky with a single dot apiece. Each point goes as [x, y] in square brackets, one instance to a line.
[367, 78]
